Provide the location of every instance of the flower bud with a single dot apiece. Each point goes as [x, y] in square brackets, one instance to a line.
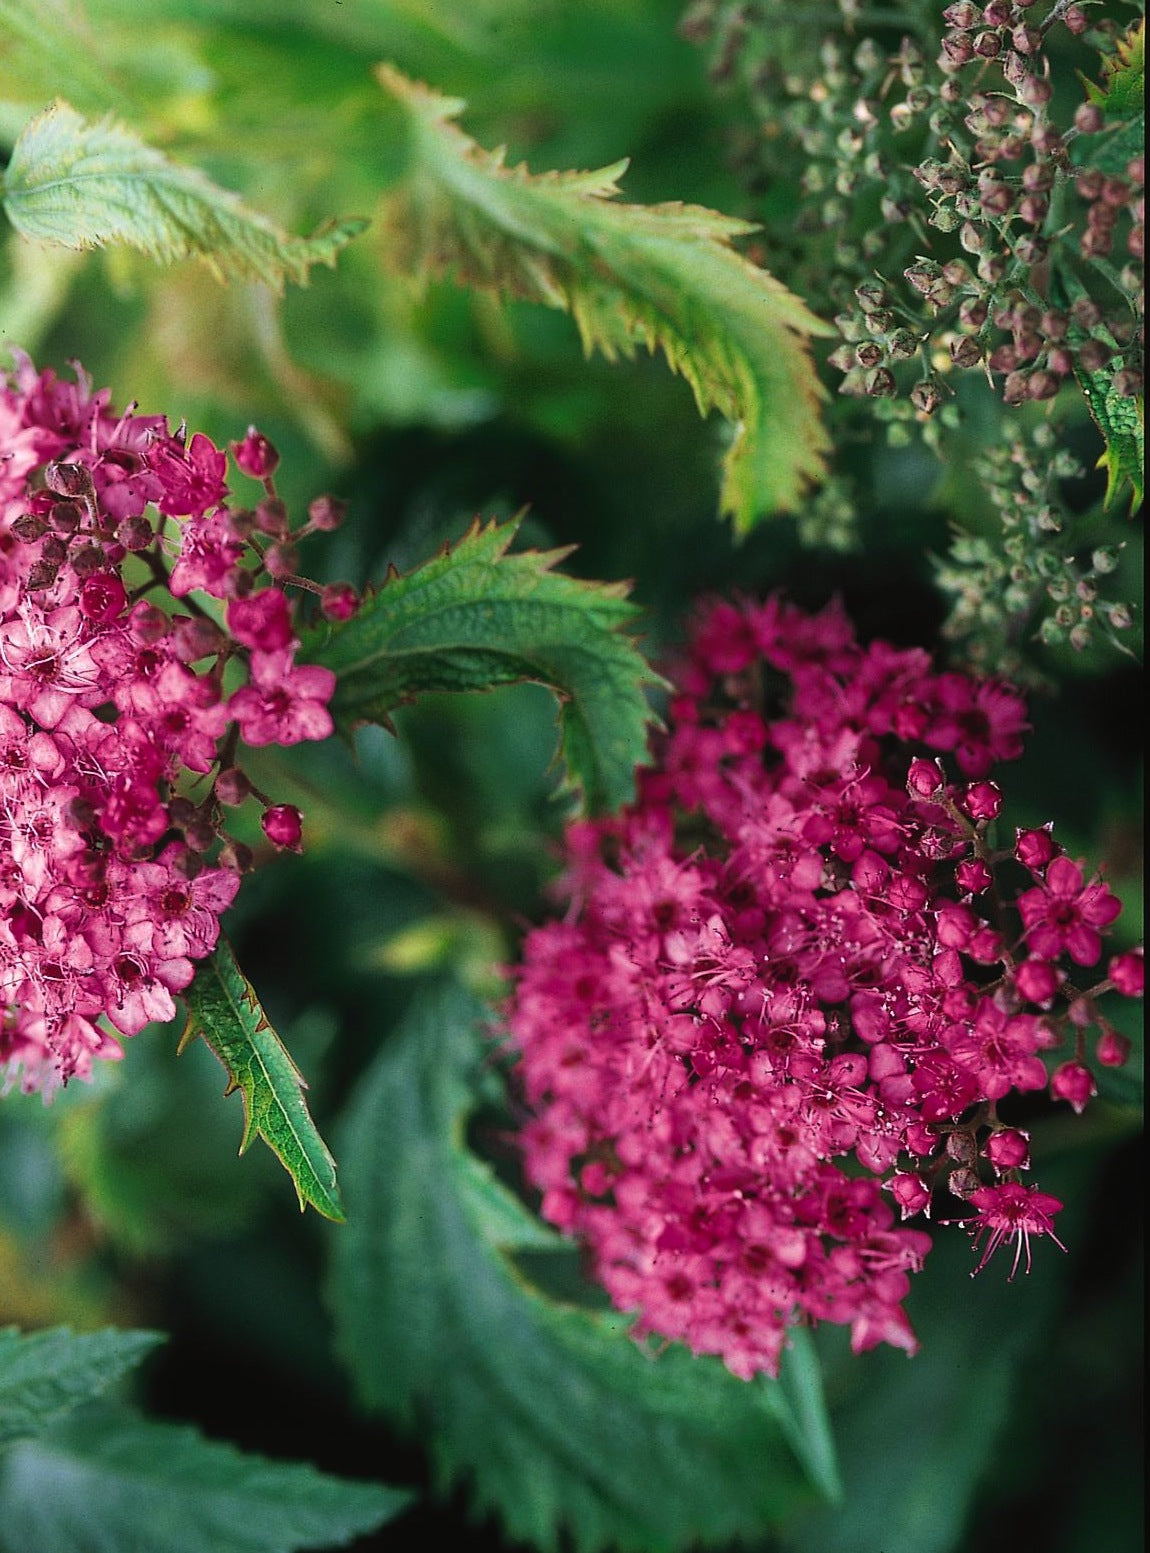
[232, 786]
[102, 598]
[339, 601]
[255, 455]
[982, 800]
[925, 779]
[282, 824]
[1073, 1083]
[911, 1193]
[1127, 972]
[973, 876]
[326, 513]
[1008, 1149]
[71, 480]
[1037, 981]
[1112, 1049]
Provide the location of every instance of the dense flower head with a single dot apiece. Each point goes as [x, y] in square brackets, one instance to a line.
[124, 696]
[795, 983]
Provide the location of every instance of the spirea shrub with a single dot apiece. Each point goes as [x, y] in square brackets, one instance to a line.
[146, 631]
[798, 990]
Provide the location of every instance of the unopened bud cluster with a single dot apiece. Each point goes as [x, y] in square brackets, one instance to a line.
[948, 163]
[799, 988]
[1033, 580]
[147, 630]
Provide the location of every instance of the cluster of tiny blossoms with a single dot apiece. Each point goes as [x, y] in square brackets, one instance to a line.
[795, 985]
[123, 698]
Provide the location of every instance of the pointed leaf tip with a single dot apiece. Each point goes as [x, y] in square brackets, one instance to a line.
[663, 276]
[224, 1010]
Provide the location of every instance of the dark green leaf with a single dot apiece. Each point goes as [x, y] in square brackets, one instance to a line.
[560, 1421]
[84, 185]
[663, 276]
[224, 1010]
[475, 617]
[108, 1481]
[45, 1374]
[801, 1408]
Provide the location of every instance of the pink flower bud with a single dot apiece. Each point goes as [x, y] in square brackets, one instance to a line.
[973, 876]
[68, 479]
[194, 638]
[271, 517]
[283, 826]
[1037, 981]
[326, 513]
[255, 455]
[955, 925]
[281, 561]
[982, 800]
[985, 945]
[1009, 1149]
[1113, 1049]
[148, 624]
[262, 620]
[232, 786]
[1074, 1083]
[1127, 972]
[911, 1193]
[1035, 848]
[925, 779]
[102, 598]
[339, 601]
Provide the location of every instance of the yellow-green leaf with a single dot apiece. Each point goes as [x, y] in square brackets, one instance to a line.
[662, 276]
[84, 185]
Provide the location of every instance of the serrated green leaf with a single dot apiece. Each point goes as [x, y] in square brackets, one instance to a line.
[108, 1481]
[1120, 420]
[83, 185]
[663, 276]
[223, 1009]
[475, 617]
[561, 1423]
[1122, 90]
[46, 1374]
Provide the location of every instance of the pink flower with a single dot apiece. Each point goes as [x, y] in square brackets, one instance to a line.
[192, 478]
[103, 718]
[771, 998]
[1064, 914]
[283, 704]
[1012, 1212]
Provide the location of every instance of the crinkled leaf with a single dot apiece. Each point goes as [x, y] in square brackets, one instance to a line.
[108, 1481]
[85, 185]
[475, 617]
[1120, 420]
[45, 1374]
[663, 276]
[559, 1421]
[224, 1010]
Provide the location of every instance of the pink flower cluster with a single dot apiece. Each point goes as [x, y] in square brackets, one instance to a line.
[795, 983]
[123, 698]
